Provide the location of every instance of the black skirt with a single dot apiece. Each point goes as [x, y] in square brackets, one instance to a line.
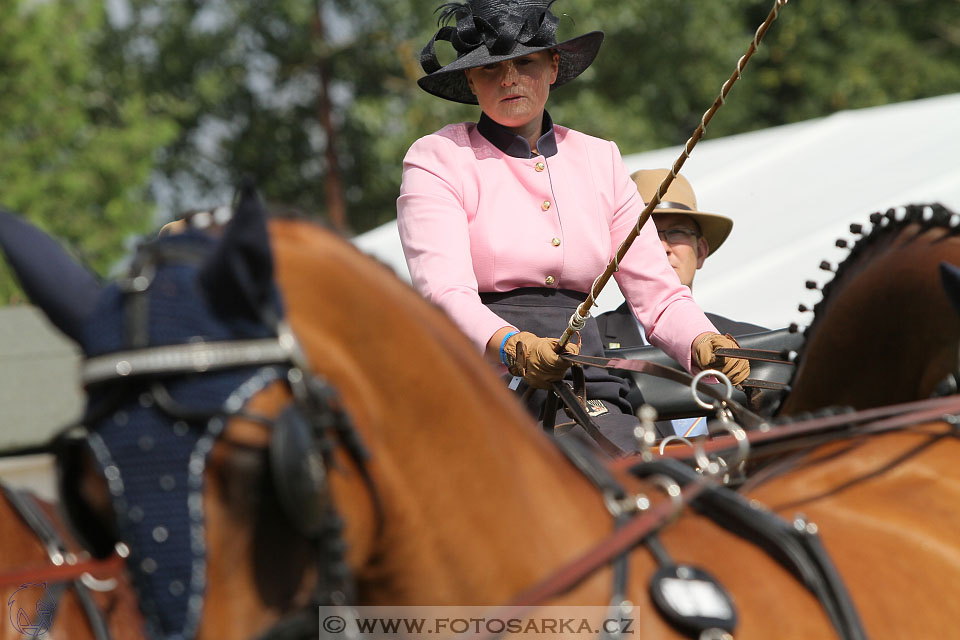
[546, 312]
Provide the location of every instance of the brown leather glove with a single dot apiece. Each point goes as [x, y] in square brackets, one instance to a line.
[737, 369]
[535, 358]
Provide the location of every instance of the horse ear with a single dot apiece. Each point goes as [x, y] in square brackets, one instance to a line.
[950, 278]
[237, 278]
[65, 290]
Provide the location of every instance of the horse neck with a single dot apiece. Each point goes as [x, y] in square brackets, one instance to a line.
[464, 478]
[885, 332]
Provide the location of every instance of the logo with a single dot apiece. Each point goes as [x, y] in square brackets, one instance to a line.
[596, 408]
[31, 610]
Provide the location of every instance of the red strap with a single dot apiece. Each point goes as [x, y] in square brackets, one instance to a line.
[114, 565]
[620, 541]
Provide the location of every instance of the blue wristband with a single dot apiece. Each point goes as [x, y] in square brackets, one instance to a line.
[503, 354]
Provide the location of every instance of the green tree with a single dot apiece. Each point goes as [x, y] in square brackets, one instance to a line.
[663, 63]
[242, 80]
[74, 159]
[239, 77]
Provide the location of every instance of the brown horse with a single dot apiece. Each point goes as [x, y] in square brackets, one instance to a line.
[28, 578]
[884, 331]
[886, 504]
[447, 491]
[886, 507]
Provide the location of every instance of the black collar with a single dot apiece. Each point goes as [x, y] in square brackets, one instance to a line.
[514, 145]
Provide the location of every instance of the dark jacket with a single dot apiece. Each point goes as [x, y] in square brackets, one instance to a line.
[618, 328]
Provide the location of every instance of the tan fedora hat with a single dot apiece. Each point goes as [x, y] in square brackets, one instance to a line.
[680, 198]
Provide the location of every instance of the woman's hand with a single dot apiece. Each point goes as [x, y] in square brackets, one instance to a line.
[704, 355]
[535, 359]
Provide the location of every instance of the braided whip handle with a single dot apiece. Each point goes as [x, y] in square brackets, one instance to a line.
[579, 317]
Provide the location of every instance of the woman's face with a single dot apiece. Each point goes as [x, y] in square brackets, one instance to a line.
[514, 92]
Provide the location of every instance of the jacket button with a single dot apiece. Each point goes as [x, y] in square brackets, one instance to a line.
[545, 205]
[555, 242]
[549, 280]
[539, 166]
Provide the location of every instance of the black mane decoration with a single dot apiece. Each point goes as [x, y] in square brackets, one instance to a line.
[886, 309]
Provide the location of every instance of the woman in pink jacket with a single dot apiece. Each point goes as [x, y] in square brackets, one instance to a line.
[506, 222]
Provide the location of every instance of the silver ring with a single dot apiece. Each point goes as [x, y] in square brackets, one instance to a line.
[612, 504]
[628, 504]
[672, 489]
[710, 372]
[714, 467]
[671, 438]
[708, 467]
[743, 442]
[102, 586]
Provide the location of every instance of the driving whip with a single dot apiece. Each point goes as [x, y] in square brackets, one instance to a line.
[578, 319]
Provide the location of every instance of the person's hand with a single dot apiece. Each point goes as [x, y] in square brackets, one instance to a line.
[535, 359]
[704, 351]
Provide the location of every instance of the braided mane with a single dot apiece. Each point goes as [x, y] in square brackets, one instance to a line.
[894, 231]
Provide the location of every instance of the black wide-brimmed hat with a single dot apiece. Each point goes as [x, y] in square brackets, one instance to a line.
[489, 31]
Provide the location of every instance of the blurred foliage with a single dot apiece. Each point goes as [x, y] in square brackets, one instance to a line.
[239, 78]
[74, 159]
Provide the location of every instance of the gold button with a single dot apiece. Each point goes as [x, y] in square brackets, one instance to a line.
[545, 205]
[549, 280]
[539, 166]
[556, 242]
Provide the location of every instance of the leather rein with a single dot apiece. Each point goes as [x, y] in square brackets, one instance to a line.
[65, 568]
[762, 438]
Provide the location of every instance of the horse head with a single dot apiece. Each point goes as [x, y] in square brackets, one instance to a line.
[885, 330]
[274, 422]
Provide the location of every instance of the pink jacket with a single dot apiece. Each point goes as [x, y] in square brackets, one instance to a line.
[473, 218]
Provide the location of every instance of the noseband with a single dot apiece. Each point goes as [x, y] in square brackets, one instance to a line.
[154, 389]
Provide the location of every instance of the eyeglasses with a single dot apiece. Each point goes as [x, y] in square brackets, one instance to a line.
[678, 235]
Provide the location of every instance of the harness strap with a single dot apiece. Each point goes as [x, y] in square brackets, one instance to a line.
[796, 547]
[63, 573]
[596, 472]
[608, 550]
[744, 416]
[137, 303]
[573, 406]
[178, 358]
[617, 543]
[33, 515]
[760, 355]
[754, 383]
[837, 426]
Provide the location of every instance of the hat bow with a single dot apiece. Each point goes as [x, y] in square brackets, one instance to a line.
[509, 22]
